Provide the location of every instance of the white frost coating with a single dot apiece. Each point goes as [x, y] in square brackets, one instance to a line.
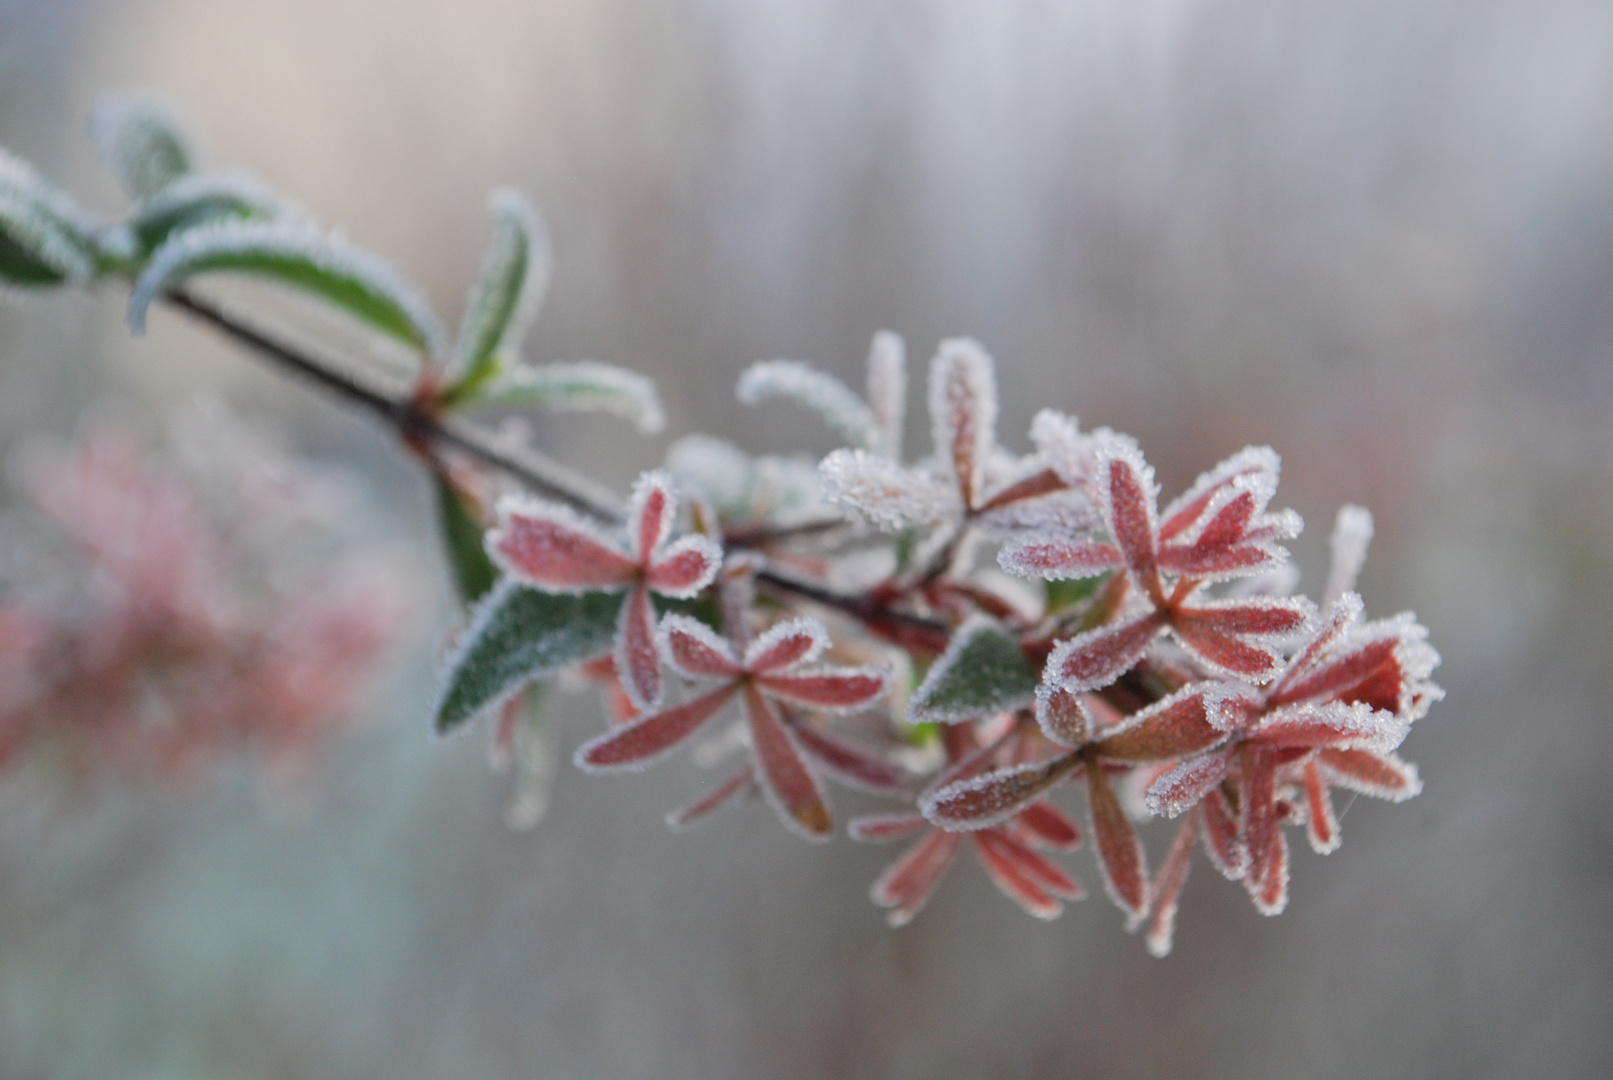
[1185, 786]
[519, 236]
[1250, 461]
[580, 386]
[1111, 448]
[963, 387]
[703, 634]
[887, 390]
[647, 484]
[44, 220]
[824, 394]
[806, 626]
[1062, 513]
[1352, 534]
[883, 493]
[1363, 727]
[520, 504]
[141, 140]
[232, 185]
[191, 250]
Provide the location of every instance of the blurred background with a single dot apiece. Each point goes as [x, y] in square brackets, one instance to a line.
[1375, 235]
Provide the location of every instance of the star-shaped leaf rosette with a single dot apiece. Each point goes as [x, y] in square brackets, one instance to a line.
[557, 550]
[774, 672]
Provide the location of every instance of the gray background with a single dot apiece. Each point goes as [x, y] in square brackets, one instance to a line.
[1376, 235]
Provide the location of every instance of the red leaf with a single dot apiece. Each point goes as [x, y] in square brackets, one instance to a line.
[637, 657]
[1331, 725]
[555, 550]
[1223, 652]
[841, 689]
[880, 828]
[1120, 853]
[993, 797]
[1049, 826]
[649, 514]
[1268, 617]
[963, 412]
[1255, 462]
[908, 882]
[687, 566]
[1098, 657]
[1013, 879]
[1167, 890]
[1322, 826]
[797, 641]
[1267, 876]
[641, 742]
[1188, 783]
[1173, 727]
[789, 785]
[1047, 558]
[1129, 509]
[1063, 717]
[742, 781]
[1383, 776]
[695, 651]
[1219, 825]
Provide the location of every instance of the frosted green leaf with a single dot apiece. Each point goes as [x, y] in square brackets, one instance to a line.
[505, 298]
[44, 238]
[583, 386]
[296, 254]
[474, 573]
[141, 141]
[193, 200]
[983, 672]
[846, 413]
[518, 634]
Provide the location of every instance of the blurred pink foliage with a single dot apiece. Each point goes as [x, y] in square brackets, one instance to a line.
[190, 606]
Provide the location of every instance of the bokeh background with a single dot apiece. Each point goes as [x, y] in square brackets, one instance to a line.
[1376, 235]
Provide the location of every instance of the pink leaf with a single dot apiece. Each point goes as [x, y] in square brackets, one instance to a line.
[795, 641]
[1046, 557]
[1383, 776]
[1012, 879]
[1334, 724]
[1172, 727]
[1128, 502]
[881, 828]
[1044, 872]
[637, 657]
[841, 689]
[1222, 841]
[1255, 462]
[686, 566]
[1048, 826]
[963, 413]
[1260, 618]
[1063, 716]
[1098, 657]
[1120, 852]
[1267, 876]
[1321, 825]
[555, 549]
[687, 817]
[786, 781]
[1187, 784]
[695, 651]
[907, 883]
[641, 742]
[993, 797]
[649, 514]
[1167, 890]
[849, 765]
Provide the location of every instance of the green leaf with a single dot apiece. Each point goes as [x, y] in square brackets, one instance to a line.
[474, 572]
[44, 238]
[518, 634]
[1067, 592]
[982, 673]
[141, 141]
[193, 200]
[296, 254]
[515, 273]
[584, 386]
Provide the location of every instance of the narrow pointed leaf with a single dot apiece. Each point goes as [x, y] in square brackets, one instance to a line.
[44, 238]
[579, 386]
[474, 573]
[1167, 890]
[786, 781]
[1014, 879]
[906, 885]
[300, 257]
[141, 141]
[645, 740]
[514, 275]
[1120, 852]
[193, 200]
[518, 634]
[833, 400]
[687, 817]
[991, 798]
